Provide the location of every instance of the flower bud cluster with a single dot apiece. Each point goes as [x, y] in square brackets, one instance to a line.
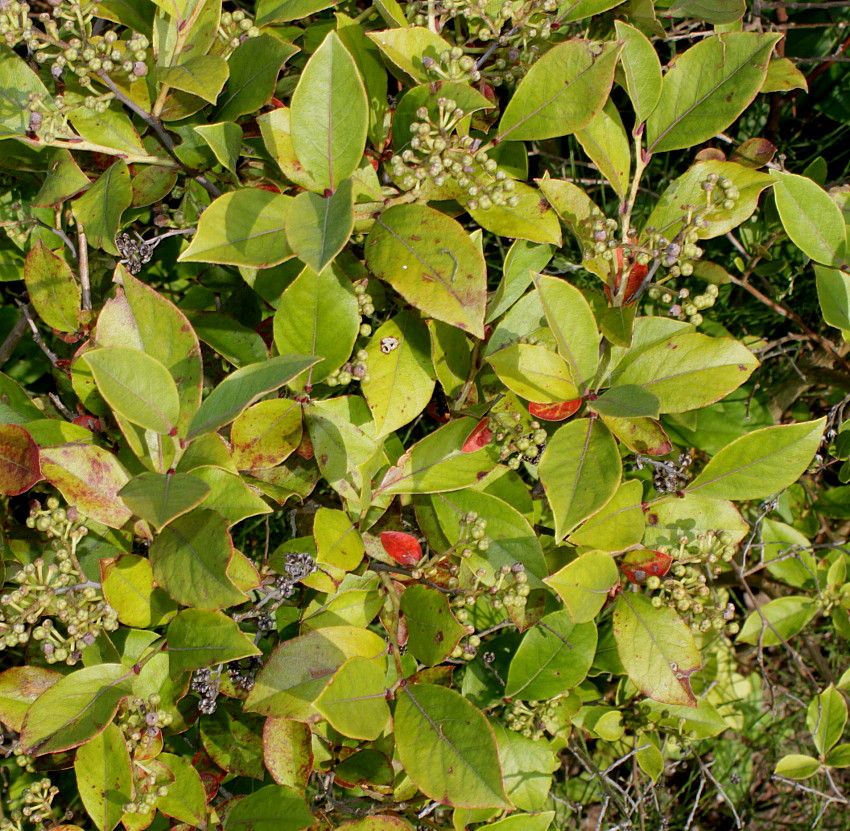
[37, 808]
[52, 603]
[686, 587]
[510, 590]
[515, 34]
[141, 721]
[682, 305]
[438, 154]
[233, 29]
[529, 717]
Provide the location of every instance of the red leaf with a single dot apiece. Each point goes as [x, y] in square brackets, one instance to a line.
[478, 438]
[403, 548]
[638, 565]
[554, 412]
[19, 461]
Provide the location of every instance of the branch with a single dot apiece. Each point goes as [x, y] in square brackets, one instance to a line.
[13, 339]
[26, 312]
[166, 140]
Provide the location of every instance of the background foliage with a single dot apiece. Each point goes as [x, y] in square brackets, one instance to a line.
[424, 415]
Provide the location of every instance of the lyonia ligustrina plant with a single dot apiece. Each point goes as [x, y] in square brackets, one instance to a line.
[383, 442]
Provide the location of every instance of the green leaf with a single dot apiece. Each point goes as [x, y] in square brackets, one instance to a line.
[299, 669]
[161, 497]
[20, 686]
[338, 542]
[401, 380]
[318, 227]
[104, 778]
[63, 180]
[573, 325]
[834, 296]
[407, 46]
[641, 68]
[254, 68]
[75, 709]
[143, 319]
[242, 388]
[451, 356]
[203, 76]
[712, 11]
[447, 748]
[100, 208]
[227, 336]
[583, 584]
[234, 744]
[530, 219]
[317, 316]
[230, 495]
[89, 478]
[700, 722]
[534, 372]
[19, 462]
[839, 756]
[355, 700]
[330, 114]
[190, 559]
[527, 768]
[112, 128]
[673, 517]
[288, 752]
[605, 141]
[761, 463]
[778, 542]
[431, 261]
[511, 538]
[129, 588]
[186, 798]
[433, 632]
[266, 433]
[626, 401]
[657, 649]
[783, 76]
[242, 227]
[668, 216]
[797, 766]
[554, 656]
[15, 405]
[826, 718]
[562, 91]
[778, 620]
[524, 822]
[199, 638]
[580, 470]
[707, 87]
[522, 262]
[282, 11]
[272, 808]
[812, 220]
[137, 387]
[17, 81]
[225, 140]
[688, 371]
[53, 291]
[436, 463]
[618, 525]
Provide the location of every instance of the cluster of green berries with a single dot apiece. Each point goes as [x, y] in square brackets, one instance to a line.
[686, 587]
[37, 808]
[15, 23]
[352, 370]
[510, 590]
[233, 28]
[365, 308]
[148, 789]
[105, 54]
[682, 305]
[438, 154]
[53, 603]
[603, 234]
[520, 442]
[24, 761]
[141, 721]
[453, 65]
[529, 718]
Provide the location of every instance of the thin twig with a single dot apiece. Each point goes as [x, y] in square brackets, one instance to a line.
[13, 339]
[85, 282]
[60, 405]
[59, 233]
[26, 311]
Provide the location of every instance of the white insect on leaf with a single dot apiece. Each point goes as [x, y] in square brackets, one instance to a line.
[389, 344]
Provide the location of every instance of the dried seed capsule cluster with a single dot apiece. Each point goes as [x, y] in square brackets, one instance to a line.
[687, 586]
[438, 154]
[53, 603]
[207, 683]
